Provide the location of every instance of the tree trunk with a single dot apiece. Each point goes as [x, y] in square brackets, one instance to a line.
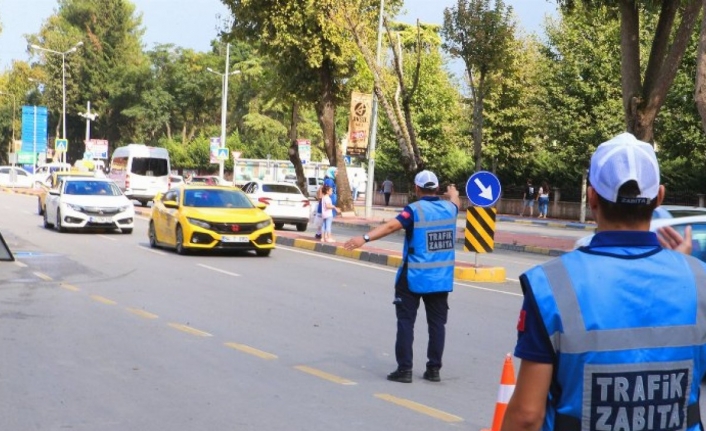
[643, 102]
[700, 92]
[293, 151]
[326, 112]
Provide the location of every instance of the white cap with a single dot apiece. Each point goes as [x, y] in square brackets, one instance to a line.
[622, 159]
[426, 180]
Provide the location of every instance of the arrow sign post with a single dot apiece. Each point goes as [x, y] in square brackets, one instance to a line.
[483, 189]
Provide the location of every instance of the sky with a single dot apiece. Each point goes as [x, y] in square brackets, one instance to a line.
[194, 23]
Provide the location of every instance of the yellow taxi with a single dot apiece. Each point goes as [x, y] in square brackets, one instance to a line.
[200, 217]
[53, 182]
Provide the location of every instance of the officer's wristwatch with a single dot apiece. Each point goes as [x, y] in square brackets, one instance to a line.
[366, 237]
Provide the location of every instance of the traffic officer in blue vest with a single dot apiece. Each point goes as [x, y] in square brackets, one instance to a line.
[612, 336]
[427, 271]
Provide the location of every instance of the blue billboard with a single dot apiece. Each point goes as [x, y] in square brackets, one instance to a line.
[34, 129]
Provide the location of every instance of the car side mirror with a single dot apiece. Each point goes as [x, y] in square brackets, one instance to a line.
[5, 252]
[54, 192]
[170, 204]
[261, 205]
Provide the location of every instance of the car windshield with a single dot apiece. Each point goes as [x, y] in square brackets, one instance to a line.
[97, 188]
[215, 198]
[280, 188]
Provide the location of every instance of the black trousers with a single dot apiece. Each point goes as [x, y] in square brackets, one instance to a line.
[387, 198]
[436, 306]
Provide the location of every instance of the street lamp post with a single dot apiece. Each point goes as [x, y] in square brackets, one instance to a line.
[224, 105]
[373, 129]
[14, 108]
[89, 116]
[63, 82]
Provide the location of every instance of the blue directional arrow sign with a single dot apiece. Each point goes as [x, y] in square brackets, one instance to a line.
[483, 189]
[223, 154]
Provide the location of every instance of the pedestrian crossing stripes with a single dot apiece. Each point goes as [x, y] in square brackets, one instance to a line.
[480, 230]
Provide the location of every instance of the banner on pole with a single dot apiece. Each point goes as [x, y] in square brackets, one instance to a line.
[359, 123]
[304, 146]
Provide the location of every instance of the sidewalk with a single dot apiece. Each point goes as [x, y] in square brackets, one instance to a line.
[465, 269]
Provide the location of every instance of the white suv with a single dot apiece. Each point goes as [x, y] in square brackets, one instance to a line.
[284, 202]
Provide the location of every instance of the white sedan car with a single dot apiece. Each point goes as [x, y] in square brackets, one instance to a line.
[284, 202]
[89, 203]
[15, 176]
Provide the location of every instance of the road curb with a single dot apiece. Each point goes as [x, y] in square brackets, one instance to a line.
[462, 272]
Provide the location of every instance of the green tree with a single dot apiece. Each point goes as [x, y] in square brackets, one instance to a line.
[312, 56]
[482, 36]
[643, 94]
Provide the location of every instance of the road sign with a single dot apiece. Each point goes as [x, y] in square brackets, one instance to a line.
[61, 145]
[214, 145]
[347, 160]
[304, 146]
[483, 189]
[34, 128]
[25, 157]
[98, 148]
[88, 155]
[223, 154]
[480, 230]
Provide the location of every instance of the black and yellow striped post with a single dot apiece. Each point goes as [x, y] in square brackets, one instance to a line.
[480, 230]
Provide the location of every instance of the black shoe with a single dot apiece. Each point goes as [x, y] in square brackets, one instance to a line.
[432, 375]
[317, 236]
[400, 376]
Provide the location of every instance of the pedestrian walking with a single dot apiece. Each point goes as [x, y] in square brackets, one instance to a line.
[528, 198]
[327, 214]
[355, 185]
[543, 200]
[611, 335]
[426, 274]
[387, 188]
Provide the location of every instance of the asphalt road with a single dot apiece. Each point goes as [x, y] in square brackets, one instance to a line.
[102, 333]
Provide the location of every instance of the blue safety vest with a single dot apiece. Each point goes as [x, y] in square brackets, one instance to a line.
[429, 253]
[629, 333]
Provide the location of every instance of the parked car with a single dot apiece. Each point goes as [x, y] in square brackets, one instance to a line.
[199, 217]
[665, 215]
[43, 172]
[284, 202]
[209, 180]
[313, 184]
[241, 179]
[88, 203]
[54, 182]
[175, 180]
[15, 176]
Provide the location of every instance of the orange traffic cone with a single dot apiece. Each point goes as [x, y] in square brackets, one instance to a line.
[507, 387]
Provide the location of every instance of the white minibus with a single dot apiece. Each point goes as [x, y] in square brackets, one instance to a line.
[140, 171]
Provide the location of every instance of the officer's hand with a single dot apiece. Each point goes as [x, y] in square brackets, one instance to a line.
[354, 243]
[451, 191]
[670, 239]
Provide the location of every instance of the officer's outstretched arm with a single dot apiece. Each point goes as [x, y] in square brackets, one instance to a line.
[381, 231]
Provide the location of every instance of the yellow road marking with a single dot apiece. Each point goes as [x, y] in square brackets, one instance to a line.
[20, 264]
[189, 330]
[103, 300]
[43, 276]
[142, 313]
[69, 287]
[251, 350]
[324, 375]
[420, 408]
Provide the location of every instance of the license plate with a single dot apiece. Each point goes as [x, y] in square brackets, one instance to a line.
[100, 219]
[234, 238]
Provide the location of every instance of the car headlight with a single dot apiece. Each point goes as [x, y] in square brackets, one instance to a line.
[123, 208]
[75, 207]
[199, 223]
[263, 224]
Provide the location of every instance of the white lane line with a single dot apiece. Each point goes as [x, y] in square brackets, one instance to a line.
[151, 250]
[106, 237]
[383, 268]
[20, 264]
[218, 270]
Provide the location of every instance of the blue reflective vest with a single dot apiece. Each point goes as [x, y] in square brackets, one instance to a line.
[429, 254]
[629, 334]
